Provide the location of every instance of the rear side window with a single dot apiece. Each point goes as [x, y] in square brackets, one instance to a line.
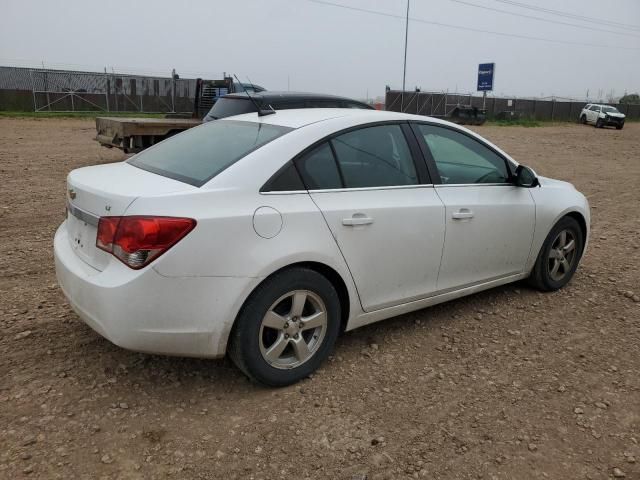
[201, 153]
[375, 157]
[229, 106]
[287, 105]
[320, 103]
[318, 169]
[286, 180]
[348, 104]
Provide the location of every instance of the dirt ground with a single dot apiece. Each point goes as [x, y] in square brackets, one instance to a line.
[505, 384]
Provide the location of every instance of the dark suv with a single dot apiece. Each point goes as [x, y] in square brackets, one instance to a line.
[238, 103]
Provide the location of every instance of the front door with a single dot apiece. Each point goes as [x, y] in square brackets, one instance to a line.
[489, 221]
[386, 219]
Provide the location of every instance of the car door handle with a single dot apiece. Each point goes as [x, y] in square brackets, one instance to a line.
[463, 213]
[357, 219]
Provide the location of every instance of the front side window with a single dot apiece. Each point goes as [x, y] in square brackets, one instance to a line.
[461, 159]
[595, 108]
[375, 156]
[199, 154]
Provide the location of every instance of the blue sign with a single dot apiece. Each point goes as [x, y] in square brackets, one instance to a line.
[485, 76]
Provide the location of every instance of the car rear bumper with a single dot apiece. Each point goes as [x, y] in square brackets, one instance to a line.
[147, 312]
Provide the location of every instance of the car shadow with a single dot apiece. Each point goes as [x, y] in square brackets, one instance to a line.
[160, 373]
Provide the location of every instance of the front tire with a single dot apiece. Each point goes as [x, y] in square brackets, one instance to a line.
[287, 327]
[583, 119]
[599, 123]
[559, 256]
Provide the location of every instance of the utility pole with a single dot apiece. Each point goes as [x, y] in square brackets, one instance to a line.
[404, 71]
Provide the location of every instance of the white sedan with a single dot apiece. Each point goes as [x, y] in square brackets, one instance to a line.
[266, 236]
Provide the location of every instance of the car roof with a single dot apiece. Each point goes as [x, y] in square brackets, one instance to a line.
[270, 95]
[297, 118]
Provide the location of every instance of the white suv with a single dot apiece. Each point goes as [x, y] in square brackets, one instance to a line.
[602, 116]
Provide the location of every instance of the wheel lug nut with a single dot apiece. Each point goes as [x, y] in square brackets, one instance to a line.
[286, 335]
[286, 325]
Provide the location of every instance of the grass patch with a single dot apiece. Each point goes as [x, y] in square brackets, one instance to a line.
[4, 114]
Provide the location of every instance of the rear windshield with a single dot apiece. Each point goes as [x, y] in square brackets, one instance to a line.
[201, 153]
[229, 106]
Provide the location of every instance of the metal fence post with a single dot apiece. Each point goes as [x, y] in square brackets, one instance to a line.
[107, 90]
[33, 91]
[535, 114]
[173, 90]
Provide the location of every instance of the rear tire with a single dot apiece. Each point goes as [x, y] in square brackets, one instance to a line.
[286, 328]
[559, 256]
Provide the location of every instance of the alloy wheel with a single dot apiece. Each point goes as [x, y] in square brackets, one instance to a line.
[293, 329]
[562, 255]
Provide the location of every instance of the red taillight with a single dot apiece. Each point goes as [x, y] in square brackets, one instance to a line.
[107, 227]
[136, 241]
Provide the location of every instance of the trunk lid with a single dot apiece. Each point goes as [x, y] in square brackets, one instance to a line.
[107, 190]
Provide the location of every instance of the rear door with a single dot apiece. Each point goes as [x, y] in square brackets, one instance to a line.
[372, 187]
[489, 221]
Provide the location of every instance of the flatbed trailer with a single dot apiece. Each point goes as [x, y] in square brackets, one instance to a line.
[133, 135]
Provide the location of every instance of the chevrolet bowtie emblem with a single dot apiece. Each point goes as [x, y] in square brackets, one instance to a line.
[72, 193]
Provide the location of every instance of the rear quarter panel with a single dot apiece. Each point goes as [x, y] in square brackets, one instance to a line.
[226, 244]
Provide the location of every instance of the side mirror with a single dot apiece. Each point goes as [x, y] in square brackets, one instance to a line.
[526, 177]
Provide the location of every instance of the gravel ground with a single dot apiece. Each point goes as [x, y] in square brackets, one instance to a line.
[505, 384]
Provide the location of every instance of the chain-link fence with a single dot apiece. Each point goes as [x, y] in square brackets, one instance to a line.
[441, 104]
[35, 89]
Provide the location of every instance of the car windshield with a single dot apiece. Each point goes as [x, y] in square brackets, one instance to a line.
[229, 106]
[199, 154]
[610, 110]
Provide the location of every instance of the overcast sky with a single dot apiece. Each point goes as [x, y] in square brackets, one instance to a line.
[312, 46]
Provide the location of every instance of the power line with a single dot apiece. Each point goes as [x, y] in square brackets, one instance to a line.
[558, 22]
[574, 16]
[470, 29]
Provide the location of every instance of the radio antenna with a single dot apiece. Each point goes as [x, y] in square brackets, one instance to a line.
[261, 111]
